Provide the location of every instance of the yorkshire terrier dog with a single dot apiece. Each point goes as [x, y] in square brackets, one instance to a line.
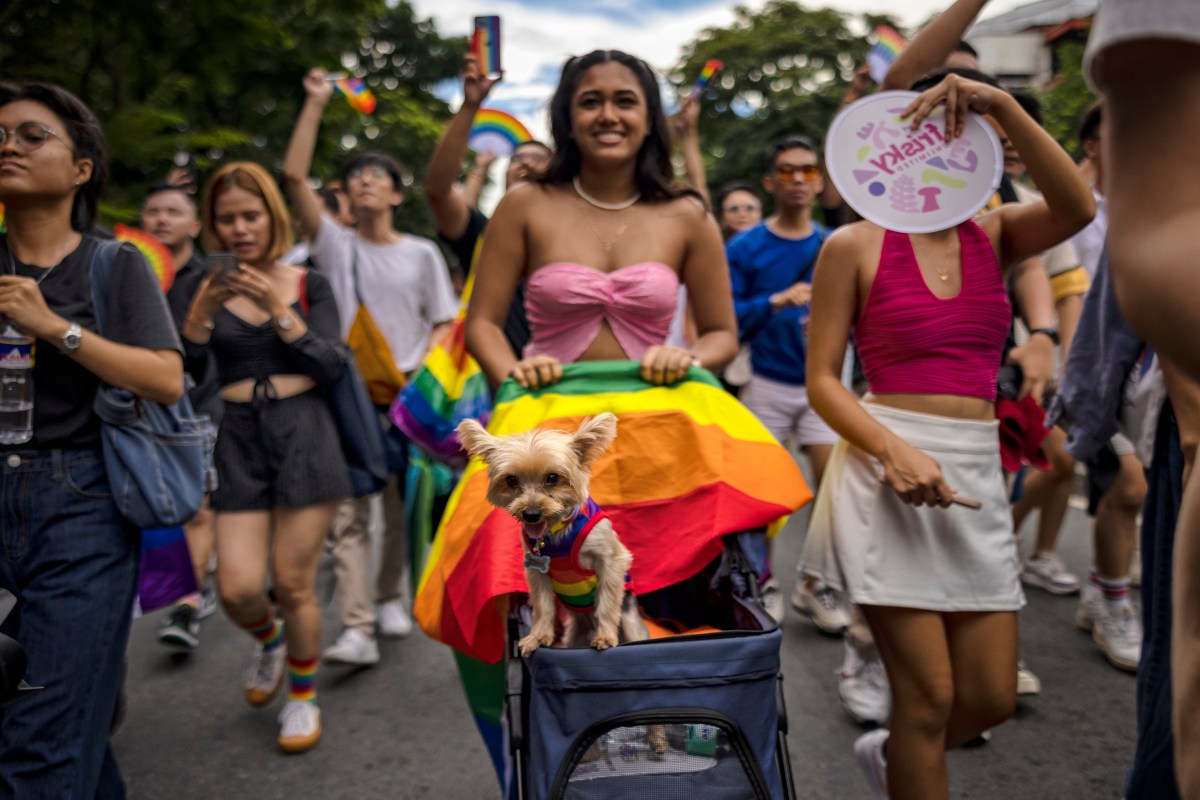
[575, 565]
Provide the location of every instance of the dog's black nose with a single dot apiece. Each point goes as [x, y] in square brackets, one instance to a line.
[532, 515]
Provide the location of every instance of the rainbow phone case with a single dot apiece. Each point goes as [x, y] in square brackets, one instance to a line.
[485, 44]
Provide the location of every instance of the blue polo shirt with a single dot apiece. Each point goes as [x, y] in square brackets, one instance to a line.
[762, 263]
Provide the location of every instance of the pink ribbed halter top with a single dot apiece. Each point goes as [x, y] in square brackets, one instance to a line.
[912, 341]
[566, 302]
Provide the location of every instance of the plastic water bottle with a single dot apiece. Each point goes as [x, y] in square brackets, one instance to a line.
[16, 384]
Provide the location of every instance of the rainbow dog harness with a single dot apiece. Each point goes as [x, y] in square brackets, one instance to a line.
[558, 557]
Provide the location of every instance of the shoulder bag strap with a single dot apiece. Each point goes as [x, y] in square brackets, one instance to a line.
[101, 270]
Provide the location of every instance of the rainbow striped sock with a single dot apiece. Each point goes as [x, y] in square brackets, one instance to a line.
[268, 631]
[302, 677]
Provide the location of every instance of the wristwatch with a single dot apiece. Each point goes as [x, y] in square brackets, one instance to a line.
[1051, 332]
[71, 339]
[285, 322]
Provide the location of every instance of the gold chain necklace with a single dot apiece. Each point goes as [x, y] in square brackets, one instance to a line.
[607, 244]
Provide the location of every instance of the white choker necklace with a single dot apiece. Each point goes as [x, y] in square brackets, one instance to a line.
[624, 204]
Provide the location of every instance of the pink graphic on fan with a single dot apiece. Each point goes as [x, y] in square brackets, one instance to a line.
[910, 179]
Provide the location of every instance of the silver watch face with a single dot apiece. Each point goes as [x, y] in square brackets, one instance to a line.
[286, 322]
[72, 338]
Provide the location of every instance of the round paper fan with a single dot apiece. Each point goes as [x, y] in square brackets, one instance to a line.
[496, 133]
[155, 252]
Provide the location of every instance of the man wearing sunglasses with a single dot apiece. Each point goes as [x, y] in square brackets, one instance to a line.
[771, 267]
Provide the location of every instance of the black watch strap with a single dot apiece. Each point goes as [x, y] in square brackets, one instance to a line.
[1051, 332]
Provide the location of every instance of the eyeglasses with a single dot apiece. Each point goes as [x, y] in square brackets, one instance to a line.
[30, 136]
[747, 208]
[786, 172]
[377, 172]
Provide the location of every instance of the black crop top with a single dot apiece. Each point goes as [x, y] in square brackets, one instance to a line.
[256, 352]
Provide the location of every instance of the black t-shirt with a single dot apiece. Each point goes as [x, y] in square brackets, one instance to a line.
[516, 326]
[63, 389]
[196, 359]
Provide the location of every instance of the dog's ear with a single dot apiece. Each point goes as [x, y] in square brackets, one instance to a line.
[475, 439]
[594, 435]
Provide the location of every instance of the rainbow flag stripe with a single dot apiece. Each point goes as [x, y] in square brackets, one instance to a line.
[302, 679]
[357, 94]
[155, 252]
[688, 459]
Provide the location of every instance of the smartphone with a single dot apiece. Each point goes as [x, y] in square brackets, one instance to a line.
[223, 265]
[485, 44]
[1009, 380]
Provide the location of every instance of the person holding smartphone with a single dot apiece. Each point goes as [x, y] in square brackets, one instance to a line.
[280, 469]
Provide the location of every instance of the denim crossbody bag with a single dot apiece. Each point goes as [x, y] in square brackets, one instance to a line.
[158, 457]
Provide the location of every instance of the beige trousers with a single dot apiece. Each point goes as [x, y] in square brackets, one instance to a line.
[369, 569]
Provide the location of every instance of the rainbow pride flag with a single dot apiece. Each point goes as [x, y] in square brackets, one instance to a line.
[689, 465]
[496, 132]
[357, 94]
[888, 44]
[156, 253]
[711, 68]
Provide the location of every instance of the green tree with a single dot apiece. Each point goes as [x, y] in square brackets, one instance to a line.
[786, 69]
[221, 79]
[1066, 97]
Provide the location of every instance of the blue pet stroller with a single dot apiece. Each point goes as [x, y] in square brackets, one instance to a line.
[694, 717]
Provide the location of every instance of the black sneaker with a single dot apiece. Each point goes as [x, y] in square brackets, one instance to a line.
[182, 630]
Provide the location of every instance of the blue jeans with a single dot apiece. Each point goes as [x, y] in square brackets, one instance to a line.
[72, 561]
[1152, 776]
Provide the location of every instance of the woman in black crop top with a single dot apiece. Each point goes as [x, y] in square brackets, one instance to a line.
[68, 555]
[279, 463]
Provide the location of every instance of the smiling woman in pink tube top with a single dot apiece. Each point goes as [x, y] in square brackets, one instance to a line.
[603, 241]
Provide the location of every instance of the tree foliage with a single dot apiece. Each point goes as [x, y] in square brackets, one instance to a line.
[1066, 97]
[786, 70]
[221, 79]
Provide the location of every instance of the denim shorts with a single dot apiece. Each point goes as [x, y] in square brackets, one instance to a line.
[278, 453]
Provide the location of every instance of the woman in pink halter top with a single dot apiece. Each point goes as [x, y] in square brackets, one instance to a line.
[603, 242]
[937, 582]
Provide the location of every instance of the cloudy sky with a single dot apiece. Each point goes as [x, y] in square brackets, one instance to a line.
[539, 35]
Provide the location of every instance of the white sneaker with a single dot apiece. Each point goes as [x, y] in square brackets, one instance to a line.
[772, 600]
[299, 726]
[823, 606]
[864, 688]
[869, 750]
[208, 601]
[353, 647]
[1119, 634]
[1047, 572]
[1027, 682]
[394, 620]
[265, 676]
[1090, 608]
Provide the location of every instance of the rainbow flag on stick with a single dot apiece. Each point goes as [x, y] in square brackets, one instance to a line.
[888, 44]
[354, 90]
[689, 465]
[711, 68]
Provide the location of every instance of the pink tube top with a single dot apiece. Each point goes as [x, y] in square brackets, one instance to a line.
[566, 302]
[912, 341]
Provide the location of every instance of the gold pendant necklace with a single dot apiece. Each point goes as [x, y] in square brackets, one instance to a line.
[607, 244]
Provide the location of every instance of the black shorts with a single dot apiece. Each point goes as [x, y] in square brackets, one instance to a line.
[278, 454]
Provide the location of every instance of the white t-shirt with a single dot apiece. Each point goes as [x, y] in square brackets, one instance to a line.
[405, 286]
[1089, 242]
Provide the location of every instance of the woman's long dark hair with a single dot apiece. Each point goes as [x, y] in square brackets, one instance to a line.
[653, 173]
[86, 134]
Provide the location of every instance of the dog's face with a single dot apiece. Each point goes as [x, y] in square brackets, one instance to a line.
[540, 476]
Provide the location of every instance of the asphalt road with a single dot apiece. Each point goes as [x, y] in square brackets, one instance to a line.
[401, 730]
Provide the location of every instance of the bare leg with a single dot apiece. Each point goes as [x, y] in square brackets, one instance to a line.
[983, 648]
[1152, 113]
[243, 545]
[1115, 529]
[916, 654]
[299, 539]
[1049, 492]
[200, 531]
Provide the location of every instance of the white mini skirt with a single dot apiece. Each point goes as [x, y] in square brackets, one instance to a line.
[868, 543]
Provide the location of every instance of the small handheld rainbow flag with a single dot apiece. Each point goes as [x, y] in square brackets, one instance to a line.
[711, 68]
[156, 253]
[496, 132]
[888, 44]
[355, 91]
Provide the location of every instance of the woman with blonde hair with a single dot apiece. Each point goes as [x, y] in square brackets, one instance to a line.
[273, 330]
